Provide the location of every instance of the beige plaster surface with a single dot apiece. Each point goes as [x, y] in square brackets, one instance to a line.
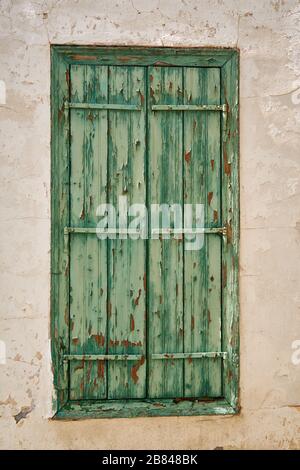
[268, 35]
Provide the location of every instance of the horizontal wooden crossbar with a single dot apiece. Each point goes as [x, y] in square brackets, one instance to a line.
[195, 355]
[136, 357]
[125, 231]
[189, 107]
[155, 107]
[102, 357]
[112, 231]
[103, 106]
[189, 231]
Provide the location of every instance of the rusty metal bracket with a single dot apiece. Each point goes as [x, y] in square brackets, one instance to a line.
[189, 107]
[189, 231]
[192, 355]
[108, 231]
[102, 357]
[224, 122]
[103, 106]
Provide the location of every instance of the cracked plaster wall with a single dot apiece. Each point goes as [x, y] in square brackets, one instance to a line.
[268, 35]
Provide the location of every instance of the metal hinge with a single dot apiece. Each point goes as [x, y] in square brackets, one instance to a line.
[224, 122]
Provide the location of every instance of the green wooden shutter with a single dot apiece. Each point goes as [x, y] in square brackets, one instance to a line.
[144, 317]
[108, 298]
[184, 289]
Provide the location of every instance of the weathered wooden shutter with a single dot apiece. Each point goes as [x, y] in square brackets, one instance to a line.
[108, 297]
[144, 316]
[184, 289]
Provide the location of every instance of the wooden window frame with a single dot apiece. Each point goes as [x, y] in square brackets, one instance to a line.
[227, 59]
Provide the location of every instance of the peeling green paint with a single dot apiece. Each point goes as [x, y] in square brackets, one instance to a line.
[122, 297]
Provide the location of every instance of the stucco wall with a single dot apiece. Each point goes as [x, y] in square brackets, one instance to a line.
[268, 35]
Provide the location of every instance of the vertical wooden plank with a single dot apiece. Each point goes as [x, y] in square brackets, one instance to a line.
[96, 250]
[195, 265]
[165, 256]
[127, 296]
[77, 242]
[230, 215]
[60, 219]
[213, 218]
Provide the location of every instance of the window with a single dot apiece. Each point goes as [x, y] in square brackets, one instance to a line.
[144, 312]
